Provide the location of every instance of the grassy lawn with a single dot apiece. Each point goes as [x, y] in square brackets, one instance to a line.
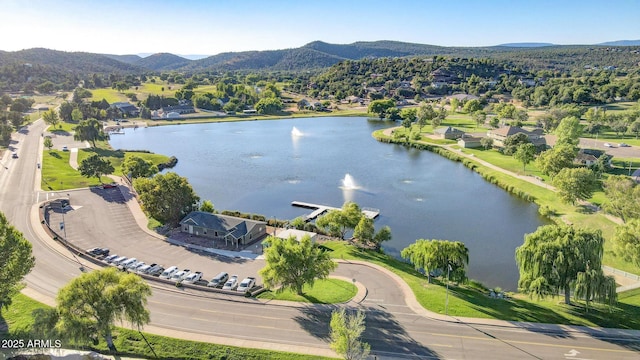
[132, 343]
[58, 175]
[109, 94]
[327, 291]
[117, 157]
[63, 128]
[469, 301]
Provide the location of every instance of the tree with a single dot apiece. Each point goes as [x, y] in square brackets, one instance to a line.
[269, 106]
[623, 197]
[346, 330]
[51, 117]
[292, 264]
[96, 166]
[16, 261]
[65, 111]
[575, 184]
[455, 104]
[627, 241]
[635, 127]
[512, 142]
[166, 197]
[380, 107]
[432, 255]
[48, 143]
[550, 162]
[91, 304]
[551, 259]
[76, 115]
[472, 106]
[135, 167]
[479, 117]
[425, 114]
[207, 206]
[89, 130]
[525, 154]
[568, 131]
[486, 142]
[409, 113]
[365, 233]
[338, 222]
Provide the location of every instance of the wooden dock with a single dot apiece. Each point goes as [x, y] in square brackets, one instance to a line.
[321, 209]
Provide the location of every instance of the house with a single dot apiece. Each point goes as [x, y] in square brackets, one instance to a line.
[180, 109]
[501, 134]
[232, 229]
[470, 142]
[126, 108]
[588, 157]
[250, 111]
[527, 82]
[449, 133]
[445, 76]
[463, 97]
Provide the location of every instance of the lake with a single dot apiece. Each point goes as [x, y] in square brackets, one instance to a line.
[261, 167]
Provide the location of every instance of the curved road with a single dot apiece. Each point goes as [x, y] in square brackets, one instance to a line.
[395, 327]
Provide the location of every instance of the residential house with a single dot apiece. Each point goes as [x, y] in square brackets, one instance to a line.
[449, 133]
[180, 109]
[499, 135]
[588, 157]
[470, 142]
[126, 108]
[297, 234]
[234, 230]
[463, 97]
[527, 82]
[445, 76]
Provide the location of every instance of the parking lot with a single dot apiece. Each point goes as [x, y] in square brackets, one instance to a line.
[121, 234]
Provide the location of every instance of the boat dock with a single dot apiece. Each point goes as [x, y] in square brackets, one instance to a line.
[321, 209]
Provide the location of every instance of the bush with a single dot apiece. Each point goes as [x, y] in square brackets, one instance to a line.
[545, 210]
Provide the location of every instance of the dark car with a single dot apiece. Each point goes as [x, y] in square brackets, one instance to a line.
[98, 251]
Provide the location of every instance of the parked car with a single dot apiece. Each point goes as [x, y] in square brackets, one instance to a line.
[110, 258]
[231, 284]
[608, 145]
[117, 261]
[180, 275]
[98, 251]
[247, 284]
[168, 273]
[143, 269]
[125, 263]
[219, 280]
[64, 148]
[193, 277]
[156, 271]
[624, 145]
[14, 155]
[134, 266]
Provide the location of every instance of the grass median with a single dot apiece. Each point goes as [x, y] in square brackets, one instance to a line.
[327, 291]
[130, 343]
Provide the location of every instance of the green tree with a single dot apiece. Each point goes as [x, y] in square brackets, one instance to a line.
[338, 222]
[575, 184]
[346, 330]
[433, 255]
[568, 131]
[479, 117]
[512, 142]
[292, 264]
[135, 167]
[622, 197]
[409, 113]
[89, 130]
[166, 197]
[525, 154]
[472, 106]
[51, 117]
[16, 261]
[91, 304]
[635, 127]
[76, 115]
[207, 206]
[425, 114]
[551, 259]
[455, 104]
[269, 106]
[550, 162]
[95, 166]
[486, 142]
[65, 111]
[365, 233]
[380, 107]
[48, 143]
[627, 241]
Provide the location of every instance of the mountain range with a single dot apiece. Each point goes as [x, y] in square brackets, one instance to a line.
[314, 55]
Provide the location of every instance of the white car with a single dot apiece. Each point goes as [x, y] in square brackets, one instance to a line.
[247, 284]
[624, 145]
[117, 261]
[126, 263]
[219, 280]
[231, 284]
[135, 265]
[142, 269]
[180, 275]
[193, 277]
[168, 273]
[608, 145]
[110, 258]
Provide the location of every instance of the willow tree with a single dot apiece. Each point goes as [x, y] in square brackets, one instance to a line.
[439, 254]
[293, 264]
[91, 303]
[338, 222]
[558, 258]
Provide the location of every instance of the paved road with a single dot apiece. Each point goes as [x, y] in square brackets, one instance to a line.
[395, 327]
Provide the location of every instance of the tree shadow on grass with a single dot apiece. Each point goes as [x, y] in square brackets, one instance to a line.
[383, 331]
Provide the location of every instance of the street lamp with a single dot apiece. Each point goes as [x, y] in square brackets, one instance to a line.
[446, 302]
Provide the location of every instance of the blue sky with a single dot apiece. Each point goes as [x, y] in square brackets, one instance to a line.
[211, 27]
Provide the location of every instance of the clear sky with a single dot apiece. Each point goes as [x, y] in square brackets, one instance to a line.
[210, 27]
